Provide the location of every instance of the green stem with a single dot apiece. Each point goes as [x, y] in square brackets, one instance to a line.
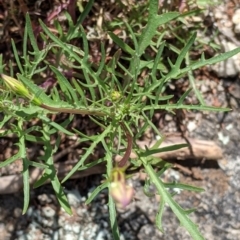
[111, 203]
[25, 173]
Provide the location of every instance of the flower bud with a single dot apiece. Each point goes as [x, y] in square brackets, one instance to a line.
[116, 96]
[119, 190]
[18, 88]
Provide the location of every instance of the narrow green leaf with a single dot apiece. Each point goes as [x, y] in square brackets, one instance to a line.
[25, 46]
[85, 13]
[87, 153]
[203, 57]
[96, 191]
[84, 137]
[158, 143]
[111, 203]
[31, 34]
[157, 61]
[132, 35]
[160, 215]
[150, 123]
[5, 119]
[41, 180]
[10, 160]
[55, 125]
[16, 55]
[126, 71]
[146, 190]
[170, 63]
[150, 64]
[121, 44]
[153, 97]
[65, 85]
[60, 194]
[203, 62]
[113, 218]
[92, 164]
[102, 61]
[74, 53]
[184, 51]
[164, 168]
[192, 82]
[154, 21]
[79, 91]
[182, 98]
[149, 152]
[66, 47]
[178, 211]
[85, 45]
[188, 211]
[38, 165]
[58, 26]
[26, 185]
[112, 64]
[184, 187]
[32, 138]
[188, 107]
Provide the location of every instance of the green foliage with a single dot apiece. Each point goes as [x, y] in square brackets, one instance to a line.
[87, 91]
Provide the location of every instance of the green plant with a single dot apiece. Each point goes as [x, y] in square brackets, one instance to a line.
[108, 92]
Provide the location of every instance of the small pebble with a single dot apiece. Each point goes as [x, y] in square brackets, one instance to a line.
[48, 212]
[191, 126]
[74, 197]
[236, 17]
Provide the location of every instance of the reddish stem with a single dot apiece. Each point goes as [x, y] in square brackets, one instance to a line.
[74, 111]
[126, 156]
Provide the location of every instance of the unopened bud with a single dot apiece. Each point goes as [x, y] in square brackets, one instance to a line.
[119, 190]
[18, 88]
[116, 96]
